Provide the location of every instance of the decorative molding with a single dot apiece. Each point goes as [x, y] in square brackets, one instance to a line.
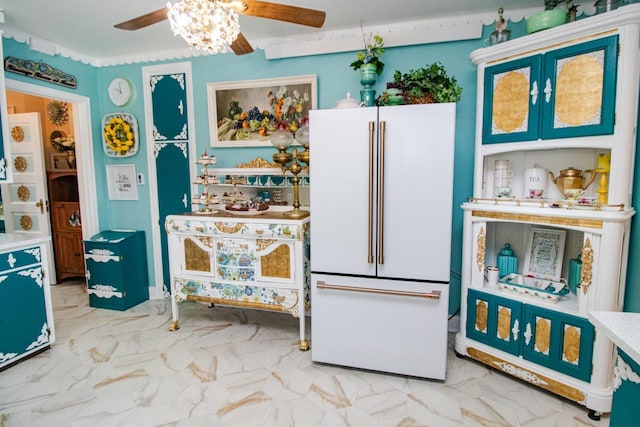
[623, 372]
[442, 29]
[40, 71]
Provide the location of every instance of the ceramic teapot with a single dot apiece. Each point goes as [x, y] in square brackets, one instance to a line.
[572, 179]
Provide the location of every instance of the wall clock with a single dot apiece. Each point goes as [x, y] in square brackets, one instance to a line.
[120, 91]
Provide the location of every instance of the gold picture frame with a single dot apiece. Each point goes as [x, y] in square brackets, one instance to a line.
[265, 104]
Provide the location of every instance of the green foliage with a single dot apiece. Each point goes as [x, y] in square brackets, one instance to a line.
[551, 4]
[373, 49]
[430, 80]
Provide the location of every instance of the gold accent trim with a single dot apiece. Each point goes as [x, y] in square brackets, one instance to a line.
[262, 244]
[228, 229]
[20, 164]
[205, 240]
[510, 101]
[555, 45]
[530, 377]
[196, 258]
[304, 345]
[381, 143]
[277, 263]
[258, 162]
[371, 196]
[575, 222]
[246, 304]
[482, 315]
[587, 264]
[26, 222]
[542, 337]
[23, 193]
[481, 242]
[571, 344]
[579, 85]
[173, 326]
[504, 323]
[428, 295]
[17, 133]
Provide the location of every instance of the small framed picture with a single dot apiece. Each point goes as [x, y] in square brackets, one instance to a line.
[59, 161]
[121, 182]
[544, 253]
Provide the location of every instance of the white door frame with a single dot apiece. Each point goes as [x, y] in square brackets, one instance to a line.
[84, 150]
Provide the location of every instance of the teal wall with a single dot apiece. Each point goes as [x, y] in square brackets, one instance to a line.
[335, 79]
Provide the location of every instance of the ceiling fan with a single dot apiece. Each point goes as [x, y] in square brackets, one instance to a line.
[261, 9]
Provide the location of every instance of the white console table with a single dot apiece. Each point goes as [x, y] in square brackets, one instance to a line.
[259, 262]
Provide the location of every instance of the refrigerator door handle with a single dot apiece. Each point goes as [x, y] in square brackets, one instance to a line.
[381, 193]
[320, 284]
[371, 201]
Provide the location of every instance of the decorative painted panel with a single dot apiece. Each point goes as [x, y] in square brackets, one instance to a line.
[169, 100]
[624, 411]
[21, 258]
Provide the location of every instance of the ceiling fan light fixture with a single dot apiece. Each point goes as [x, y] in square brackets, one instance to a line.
[204, 24]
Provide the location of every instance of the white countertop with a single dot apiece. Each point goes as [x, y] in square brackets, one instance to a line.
[620, 327]
[10, 241]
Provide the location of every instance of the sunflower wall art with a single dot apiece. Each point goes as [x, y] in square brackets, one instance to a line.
[120, 135]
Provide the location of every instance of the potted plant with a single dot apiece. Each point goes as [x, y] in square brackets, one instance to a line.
[373, 49]
[423, 85]
[550, 17]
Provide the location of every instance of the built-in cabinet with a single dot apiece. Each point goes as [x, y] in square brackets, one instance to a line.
[66, 227]
[565, 97]
[26, 315]
[559, 93]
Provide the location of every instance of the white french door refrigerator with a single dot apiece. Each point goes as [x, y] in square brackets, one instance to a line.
[381, 203]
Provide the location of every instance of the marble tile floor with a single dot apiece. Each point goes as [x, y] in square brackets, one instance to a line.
[234, 368]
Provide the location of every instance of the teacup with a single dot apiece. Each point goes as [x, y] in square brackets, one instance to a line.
[503, 191]
[536, 193]
[573, 193]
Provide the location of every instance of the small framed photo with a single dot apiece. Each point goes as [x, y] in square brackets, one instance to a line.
[59, 162]
[121, 182]
[544, 253]
[246, 113]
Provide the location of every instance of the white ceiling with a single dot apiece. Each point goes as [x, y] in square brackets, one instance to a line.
[84, 28]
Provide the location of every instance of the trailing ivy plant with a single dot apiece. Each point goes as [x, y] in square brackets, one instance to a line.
[428, 84]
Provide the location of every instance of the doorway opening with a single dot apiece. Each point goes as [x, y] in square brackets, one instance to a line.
[69, 190]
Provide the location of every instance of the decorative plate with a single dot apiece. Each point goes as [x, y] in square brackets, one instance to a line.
[120, 135]
[58, 112]
[17, 133]
[548, 290]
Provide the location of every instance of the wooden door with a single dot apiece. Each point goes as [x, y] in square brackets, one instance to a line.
[26, 206]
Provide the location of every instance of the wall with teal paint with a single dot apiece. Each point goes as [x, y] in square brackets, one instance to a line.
[335, 79]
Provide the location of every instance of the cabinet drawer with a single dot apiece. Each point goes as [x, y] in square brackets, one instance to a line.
[20, 258]
[363, 323]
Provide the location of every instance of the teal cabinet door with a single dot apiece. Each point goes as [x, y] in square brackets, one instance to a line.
[558, 341]
[580, 89]
[512, 98]
[494, 321]
[24, 327]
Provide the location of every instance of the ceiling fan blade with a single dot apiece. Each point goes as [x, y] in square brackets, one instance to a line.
[282, 12]
[143, 20]
[241, 46]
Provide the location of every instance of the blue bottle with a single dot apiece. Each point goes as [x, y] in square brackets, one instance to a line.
[575, 270]
[507, 261]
